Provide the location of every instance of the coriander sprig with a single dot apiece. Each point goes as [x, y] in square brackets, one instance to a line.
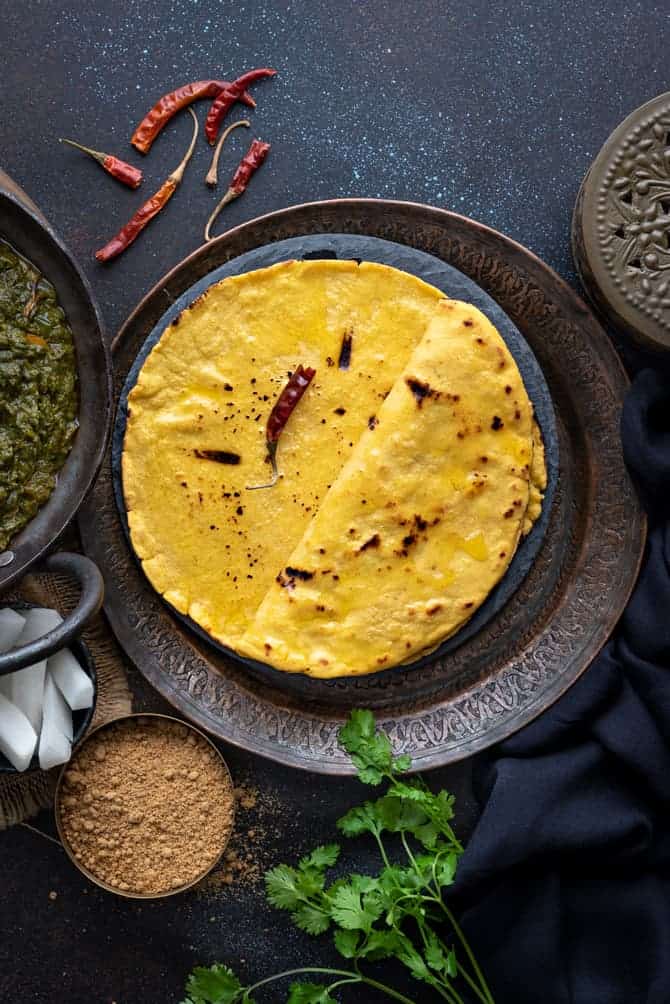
[400, 913]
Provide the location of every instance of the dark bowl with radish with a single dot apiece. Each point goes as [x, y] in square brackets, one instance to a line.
[45, 708]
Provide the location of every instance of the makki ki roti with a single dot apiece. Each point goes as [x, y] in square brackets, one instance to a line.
[208, 545]
[423, 519]
[213, 548]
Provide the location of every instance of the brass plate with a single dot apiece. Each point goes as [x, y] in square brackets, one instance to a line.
[620, 226]
[538, 644]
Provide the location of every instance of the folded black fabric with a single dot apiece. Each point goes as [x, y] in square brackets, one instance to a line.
[565, 883]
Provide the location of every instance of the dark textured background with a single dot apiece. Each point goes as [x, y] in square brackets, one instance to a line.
[494, 110]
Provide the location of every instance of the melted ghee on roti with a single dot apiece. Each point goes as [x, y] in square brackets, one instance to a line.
[208, 545]
[423, 519]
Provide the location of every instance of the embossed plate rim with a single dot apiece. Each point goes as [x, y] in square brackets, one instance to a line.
[536, 667]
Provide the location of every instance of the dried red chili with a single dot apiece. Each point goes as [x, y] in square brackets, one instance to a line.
[171, 103]
[146, 212]
[119, 169]
[251, 161]
[227, 97]
[283, 408]
[211, 177]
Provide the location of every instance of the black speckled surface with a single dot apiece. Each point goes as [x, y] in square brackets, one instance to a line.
[492, 109]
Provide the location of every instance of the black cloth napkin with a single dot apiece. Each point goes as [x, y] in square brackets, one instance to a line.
[565, 883]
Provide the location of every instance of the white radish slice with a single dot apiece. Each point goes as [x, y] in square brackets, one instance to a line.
[11, 626]
[75, 685]
[18, 738]
[25, 689]
[39, 621]
[55, 711]
[54, 748]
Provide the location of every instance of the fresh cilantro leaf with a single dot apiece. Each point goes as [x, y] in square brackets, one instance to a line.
[310, 919]
[309, 993]
[415, 791]
[346, 942]
[446, 869]
[427, 834]
[214, 985]
[321, 857]
[400, 814]
[369, 750]
[434, 954]
[351, 911]
[441, 809]
[408, 955]
[381, 944]
[360, 819]
[402, 763]
[282, 885]
[363, 883]
[360, 728]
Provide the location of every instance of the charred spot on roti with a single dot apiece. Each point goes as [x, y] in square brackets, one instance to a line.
[344, 360]
[219, 456]
[421, 390]
[373, 541]
[497, 423]
[373, 422]
[299, 573]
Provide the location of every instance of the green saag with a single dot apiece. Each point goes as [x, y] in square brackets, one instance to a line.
[400, 913]
[38, 391]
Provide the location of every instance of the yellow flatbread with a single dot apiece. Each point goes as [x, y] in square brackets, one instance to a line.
[368, 450]
[423, 519]
[210, 547]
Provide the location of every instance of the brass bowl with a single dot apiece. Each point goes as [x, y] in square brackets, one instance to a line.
[71, 853]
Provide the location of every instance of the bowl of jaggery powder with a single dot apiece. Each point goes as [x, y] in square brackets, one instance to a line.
[146, 806]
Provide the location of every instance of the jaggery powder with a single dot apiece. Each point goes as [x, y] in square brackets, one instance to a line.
[146, 805]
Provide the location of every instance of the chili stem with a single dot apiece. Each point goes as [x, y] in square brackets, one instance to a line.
[272, 454]
[97, 154]
[177, 175]
[212, 175]
[228, 197]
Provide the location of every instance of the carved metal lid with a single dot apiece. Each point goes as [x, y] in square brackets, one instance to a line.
[621, 225]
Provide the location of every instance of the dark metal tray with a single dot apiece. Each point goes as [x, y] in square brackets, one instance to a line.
[541, 639]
